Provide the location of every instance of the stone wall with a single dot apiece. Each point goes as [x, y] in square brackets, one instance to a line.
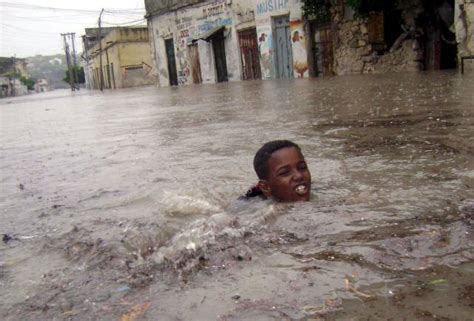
[464, 26]
[354, 54]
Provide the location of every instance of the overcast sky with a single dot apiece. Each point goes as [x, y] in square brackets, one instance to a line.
[31, 27]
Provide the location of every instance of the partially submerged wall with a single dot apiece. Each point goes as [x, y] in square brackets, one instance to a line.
[266, 13]
[464, 26]
[126, 59]
[186, 26]
[430, 36]
[357, 49]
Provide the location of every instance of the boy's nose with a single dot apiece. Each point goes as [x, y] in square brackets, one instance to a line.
[297, 175]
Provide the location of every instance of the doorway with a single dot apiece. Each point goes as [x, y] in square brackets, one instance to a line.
[218, 47]
[173, 74]
[193, 53]
[321, 46]
[249, 54]
[439, 40]
[284, 58]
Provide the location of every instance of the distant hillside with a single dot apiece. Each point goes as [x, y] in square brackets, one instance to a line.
[52, 68]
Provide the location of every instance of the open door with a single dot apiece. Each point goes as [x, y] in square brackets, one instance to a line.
[219, 56]
[173, 74]
[193, 53]
[249, 54]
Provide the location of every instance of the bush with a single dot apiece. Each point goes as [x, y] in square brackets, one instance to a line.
[80, 77]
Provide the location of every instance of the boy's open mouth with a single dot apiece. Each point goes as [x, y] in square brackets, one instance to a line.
[301, 189]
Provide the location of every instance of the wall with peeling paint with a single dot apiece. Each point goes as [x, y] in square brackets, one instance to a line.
[265, 12]
[186, 25]
[126, 59]
[464, 26]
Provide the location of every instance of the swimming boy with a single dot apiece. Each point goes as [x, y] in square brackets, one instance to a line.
[282, 173]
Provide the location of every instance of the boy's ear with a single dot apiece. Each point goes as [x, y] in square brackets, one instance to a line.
[264, 187]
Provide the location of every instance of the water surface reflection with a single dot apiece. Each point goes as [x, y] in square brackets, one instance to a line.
[124, 202]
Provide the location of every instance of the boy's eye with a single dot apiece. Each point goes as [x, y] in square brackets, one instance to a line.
[302, 166]
[283, 172]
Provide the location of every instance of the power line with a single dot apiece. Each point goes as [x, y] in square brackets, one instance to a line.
[125, 23]
[36, 7]
[49, 18]
[27, 30]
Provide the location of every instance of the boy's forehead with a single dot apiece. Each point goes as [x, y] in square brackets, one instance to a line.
[285, 153]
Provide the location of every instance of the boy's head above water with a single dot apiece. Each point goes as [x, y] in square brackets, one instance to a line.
[282, 172]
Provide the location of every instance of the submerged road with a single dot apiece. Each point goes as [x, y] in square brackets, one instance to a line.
[122, 204]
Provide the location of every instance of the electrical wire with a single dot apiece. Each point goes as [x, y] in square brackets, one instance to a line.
[36, 7]
[29, 31]
[19, 38]
[125, 23]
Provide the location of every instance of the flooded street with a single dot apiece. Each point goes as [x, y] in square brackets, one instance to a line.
[122, 205]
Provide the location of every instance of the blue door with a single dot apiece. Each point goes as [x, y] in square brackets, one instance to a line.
[284, 58]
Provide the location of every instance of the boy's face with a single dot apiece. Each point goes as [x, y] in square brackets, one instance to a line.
[288, 179]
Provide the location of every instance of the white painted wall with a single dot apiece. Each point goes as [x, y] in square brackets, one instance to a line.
[265, 11]
[189, 23]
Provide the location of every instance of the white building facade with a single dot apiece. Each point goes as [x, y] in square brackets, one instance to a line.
[198, 41]
[225, 40]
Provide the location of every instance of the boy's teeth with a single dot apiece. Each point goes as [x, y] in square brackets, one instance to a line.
[300, 189]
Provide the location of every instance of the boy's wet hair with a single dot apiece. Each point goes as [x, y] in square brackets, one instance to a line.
[260, 161]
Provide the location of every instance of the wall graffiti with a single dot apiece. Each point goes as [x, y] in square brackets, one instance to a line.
[211, 24]
[192, 23]
[270, 6]
[298, 45]
[265, 48]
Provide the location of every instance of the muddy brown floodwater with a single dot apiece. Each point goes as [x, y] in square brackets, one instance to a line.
[122, 205]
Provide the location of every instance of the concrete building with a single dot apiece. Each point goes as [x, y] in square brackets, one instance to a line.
[196, 41]
[415, 35]
[282, 39]
[126, 58]
[42, 85]
[11, 69]
[11, 86]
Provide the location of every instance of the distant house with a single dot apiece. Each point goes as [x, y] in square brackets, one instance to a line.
[11, 69]
[10, 86]
[56, 61]
[126, 58]
[42, 85]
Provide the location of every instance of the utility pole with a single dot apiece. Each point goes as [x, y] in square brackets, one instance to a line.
[68, 60]
[74, 59]
[101, 73]
[14, 77]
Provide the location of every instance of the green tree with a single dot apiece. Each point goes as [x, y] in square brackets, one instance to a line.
[319, 9]
[80, 77]
[28, 82]
[364, 7]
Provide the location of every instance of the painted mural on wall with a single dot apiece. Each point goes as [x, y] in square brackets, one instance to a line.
[190, 24]
[265, 48]
[298, 45]
[264, 10]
